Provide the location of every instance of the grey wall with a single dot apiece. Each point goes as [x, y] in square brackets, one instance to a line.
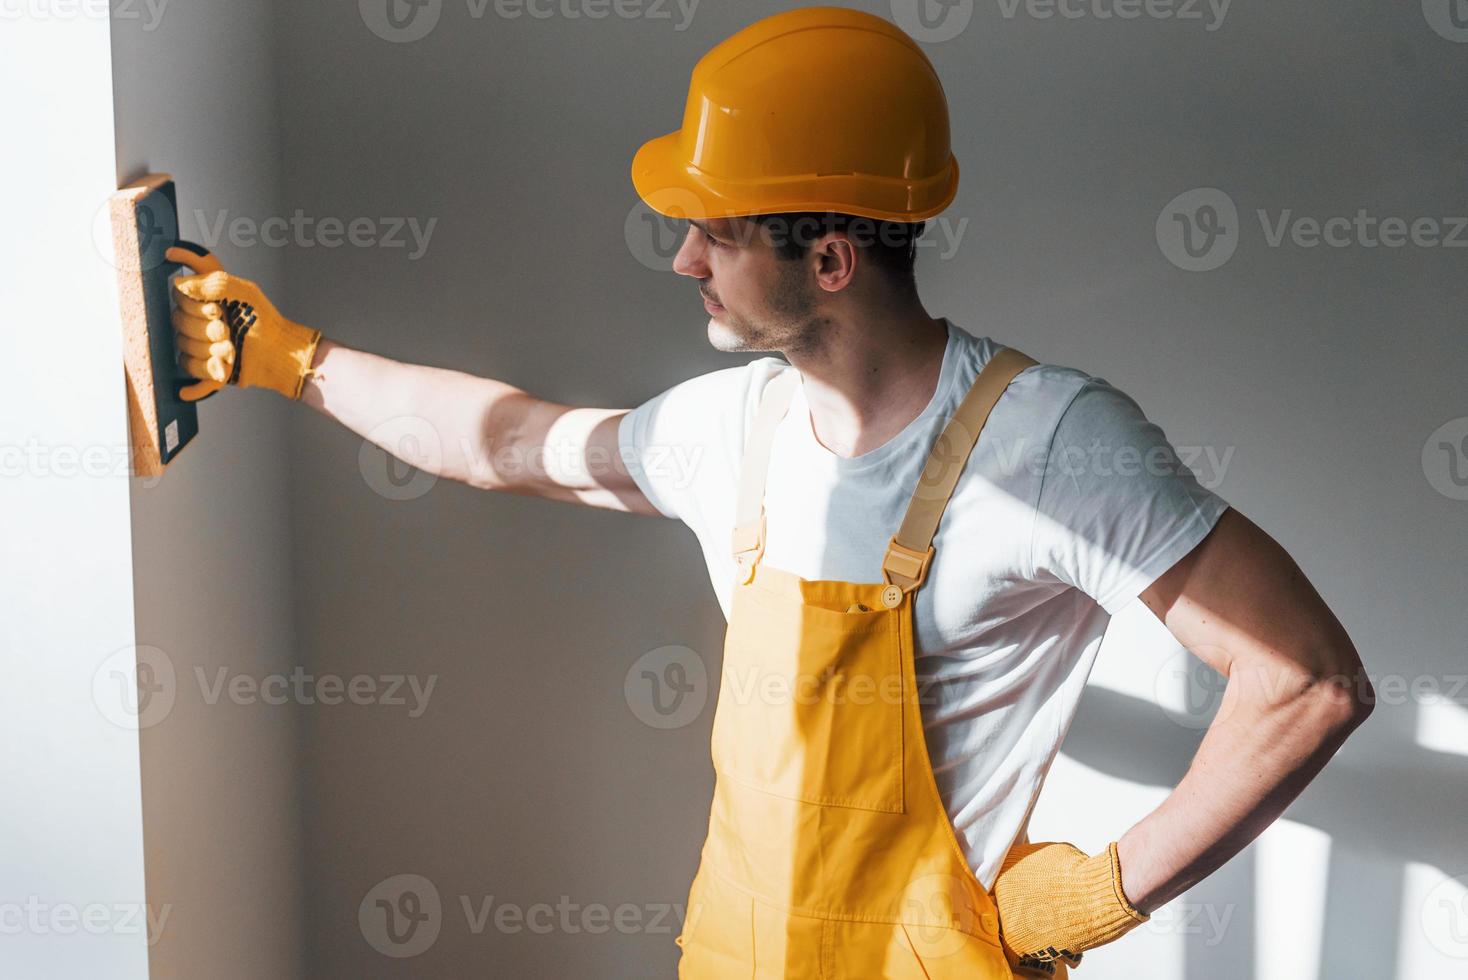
[528, 778]
[1321, 371]
[212, 540]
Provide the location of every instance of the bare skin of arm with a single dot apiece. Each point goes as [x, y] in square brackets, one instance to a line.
[1296, 688]
[485, 433]
[1237, 601]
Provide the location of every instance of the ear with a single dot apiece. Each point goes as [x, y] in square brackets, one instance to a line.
[836, 259]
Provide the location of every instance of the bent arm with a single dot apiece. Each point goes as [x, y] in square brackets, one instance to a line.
[482, 432]
[1296, 688]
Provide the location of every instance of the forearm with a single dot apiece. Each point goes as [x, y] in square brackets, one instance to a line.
[1275, 730]
[441, 421]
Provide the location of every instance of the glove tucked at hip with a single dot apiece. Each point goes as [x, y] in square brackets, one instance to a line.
[228, 332]
[1055, 902]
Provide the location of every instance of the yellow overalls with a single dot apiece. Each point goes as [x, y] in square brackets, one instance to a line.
[829, 853]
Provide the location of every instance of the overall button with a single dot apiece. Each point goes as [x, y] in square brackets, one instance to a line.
[891, 597]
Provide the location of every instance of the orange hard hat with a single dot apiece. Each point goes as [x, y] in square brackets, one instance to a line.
[815, 109]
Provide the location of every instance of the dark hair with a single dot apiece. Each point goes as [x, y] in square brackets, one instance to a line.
[890, 245]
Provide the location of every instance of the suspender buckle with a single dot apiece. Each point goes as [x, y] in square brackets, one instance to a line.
[905, 567]
[748, 542]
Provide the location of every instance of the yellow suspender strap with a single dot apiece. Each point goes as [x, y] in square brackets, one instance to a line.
[749, 512]
[911, 549]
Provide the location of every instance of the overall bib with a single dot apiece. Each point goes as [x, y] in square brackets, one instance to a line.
[829, 853]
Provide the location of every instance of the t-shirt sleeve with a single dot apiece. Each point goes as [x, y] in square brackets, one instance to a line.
[682, 446]
[634, 440]
[1118, 505]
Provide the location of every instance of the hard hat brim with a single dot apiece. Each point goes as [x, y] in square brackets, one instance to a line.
[669, 185]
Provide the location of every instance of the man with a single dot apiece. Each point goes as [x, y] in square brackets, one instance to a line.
[902, 506]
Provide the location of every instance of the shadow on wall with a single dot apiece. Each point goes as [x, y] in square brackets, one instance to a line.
[1412, 811]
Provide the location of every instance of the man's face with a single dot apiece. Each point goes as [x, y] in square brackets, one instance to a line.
[763, 303]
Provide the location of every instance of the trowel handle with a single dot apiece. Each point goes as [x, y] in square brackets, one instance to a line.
[205, 263]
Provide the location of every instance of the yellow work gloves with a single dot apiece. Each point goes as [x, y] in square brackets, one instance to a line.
[227, 332]
[1055, 902]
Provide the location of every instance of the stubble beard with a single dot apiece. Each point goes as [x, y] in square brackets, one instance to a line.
[791, 325]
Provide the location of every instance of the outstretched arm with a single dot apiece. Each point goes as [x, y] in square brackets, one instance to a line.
[479, 431]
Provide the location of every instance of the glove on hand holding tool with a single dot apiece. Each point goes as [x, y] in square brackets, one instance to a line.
[224, 330]
[230, 333]
[144, 248]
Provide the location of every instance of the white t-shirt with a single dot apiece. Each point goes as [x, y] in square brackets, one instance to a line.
[1070, 505]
